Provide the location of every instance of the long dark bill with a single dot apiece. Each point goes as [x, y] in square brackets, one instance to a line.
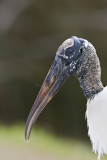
[54, 80]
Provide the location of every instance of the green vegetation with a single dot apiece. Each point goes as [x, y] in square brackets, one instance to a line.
[42, 145]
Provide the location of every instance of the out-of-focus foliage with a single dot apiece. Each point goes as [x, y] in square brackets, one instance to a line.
[30, 33]
[43, 146]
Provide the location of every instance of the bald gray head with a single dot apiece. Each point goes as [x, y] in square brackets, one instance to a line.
[80, 58]
[74, 51]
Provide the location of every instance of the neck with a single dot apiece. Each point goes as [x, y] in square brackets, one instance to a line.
[89, 76]
[90, 84]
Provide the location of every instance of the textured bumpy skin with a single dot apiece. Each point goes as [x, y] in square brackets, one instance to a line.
[97, 122]
[89, 72]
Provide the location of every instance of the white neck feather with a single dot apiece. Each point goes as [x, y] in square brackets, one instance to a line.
[97, 122]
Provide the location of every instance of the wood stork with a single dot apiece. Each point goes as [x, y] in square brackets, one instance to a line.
[77, 56]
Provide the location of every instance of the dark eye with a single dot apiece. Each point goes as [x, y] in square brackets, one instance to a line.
[68, 51]
[81, 50]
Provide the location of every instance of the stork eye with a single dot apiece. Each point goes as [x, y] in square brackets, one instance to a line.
[68, 51]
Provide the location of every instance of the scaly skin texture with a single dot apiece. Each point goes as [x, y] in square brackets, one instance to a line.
[89, 72]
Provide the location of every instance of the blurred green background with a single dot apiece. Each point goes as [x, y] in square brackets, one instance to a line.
[30, 33]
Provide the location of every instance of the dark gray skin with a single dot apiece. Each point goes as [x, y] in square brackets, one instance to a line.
[85, 65]
[75, 56]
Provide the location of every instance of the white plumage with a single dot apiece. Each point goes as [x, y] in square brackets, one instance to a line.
[97, 122]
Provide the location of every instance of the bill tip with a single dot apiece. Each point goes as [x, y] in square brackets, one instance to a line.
[27, 139]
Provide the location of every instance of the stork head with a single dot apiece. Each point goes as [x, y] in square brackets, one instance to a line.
[71, 58]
